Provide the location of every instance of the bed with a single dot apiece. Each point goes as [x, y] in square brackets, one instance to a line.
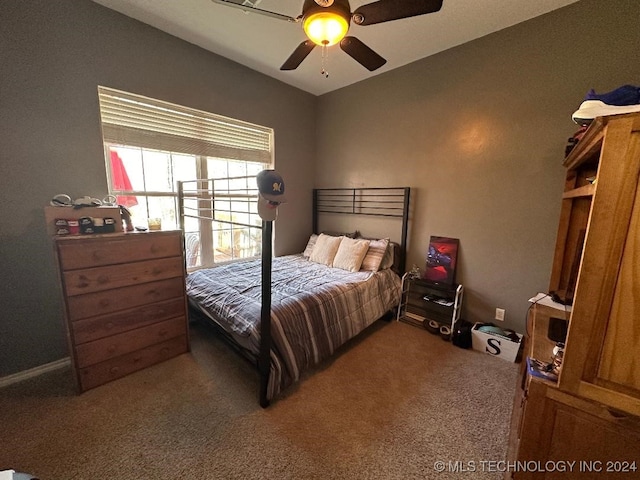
[316, 304]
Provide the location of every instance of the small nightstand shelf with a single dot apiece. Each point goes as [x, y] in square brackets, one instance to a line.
[422, 300]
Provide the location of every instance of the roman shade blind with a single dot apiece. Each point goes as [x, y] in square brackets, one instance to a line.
[129, 119]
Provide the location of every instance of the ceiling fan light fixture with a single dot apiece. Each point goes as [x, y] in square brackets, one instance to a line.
[325, 28]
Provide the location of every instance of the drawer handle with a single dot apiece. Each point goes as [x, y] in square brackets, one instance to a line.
[154, 313]
[114, 370]
[109, 326]
[162, 333]
[164, 351]
[112, 348]
[137, 359]
[102, 279]
[156, 271]
[104, 302]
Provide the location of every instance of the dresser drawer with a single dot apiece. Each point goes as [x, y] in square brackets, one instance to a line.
[93, 328]
[88, 280]
[86, 252]
[94, 375]
[109, 301]
[127, 342]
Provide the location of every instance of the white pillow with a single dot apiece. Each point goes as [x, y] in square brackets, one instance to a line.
[325, 249]
[350, 254]
[310, 244]
[373, 258]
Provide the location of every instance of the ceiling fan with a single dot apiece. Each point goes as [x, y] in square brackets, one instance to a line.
[326, 22]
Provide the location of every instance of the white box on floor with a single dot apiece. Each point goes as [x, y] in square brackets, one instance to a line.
[495, 344]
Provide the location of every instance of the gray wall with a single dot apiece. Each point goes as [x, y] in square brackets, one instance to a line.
[479, 133]
[54, 54]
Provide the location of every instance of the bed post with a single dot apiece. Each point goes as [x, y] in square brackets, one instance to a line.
[264, 360]
[405, 227]
[181, 204]
[314, 211]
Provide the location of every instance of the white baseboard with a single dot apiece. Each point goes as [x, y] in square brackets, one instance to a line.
[34, 372]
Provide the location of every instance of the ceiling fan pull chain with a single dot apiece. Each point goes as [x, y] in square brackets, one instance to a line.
[325, 60]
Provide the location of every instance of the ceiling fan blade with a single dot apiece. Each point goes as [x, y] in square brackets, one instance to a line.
[361, 53]
[248, 7]
[388, 10]
[298, 55]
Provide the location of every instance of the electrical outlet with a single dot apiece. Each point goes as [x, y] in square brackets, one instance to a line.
[500, 314]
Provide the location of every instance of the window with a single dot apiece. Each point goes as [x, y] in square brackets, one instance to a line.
[151, 145]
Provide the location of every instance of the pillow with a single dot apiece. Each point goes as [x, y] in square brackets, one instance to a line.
[389, 257]
[325, 249]
[309, 248]
[350, 254]
[373, 258]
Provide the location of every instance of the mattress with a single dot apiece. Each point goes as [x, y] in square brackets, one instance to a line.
[314, 308]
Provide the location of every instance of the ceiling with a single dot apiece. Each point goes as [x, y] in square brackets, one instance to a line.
[263, 43]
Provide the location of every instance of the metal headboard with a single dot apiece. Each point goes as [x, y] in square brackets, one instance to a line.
[390, 202]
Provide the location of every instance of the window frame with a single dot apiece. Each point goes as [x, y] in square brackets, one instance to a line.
[120, 128]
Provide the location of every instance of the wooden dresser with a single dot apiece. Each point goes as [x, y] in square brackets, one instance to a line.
[124, 300]
[591, 414]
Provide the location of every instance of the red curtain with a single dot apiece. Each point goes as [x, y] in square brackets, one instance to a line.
[121, 180]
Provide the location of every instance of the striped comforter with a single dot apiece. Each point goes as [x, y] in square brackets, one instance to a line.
[315, 309]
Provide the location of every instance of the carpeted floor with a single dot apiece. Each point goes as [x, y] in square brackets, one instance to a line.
[390, 405]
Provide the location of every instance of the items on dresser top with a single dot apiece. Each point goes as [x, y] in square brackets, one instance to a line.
[85, 220]
[86, 215]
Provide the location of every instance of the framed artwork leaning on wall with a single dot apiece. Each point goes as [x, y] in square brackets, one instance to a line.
[442, 259]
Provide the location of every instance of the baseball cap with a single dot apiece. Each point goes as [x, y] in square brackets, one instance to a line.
[271, 186]
[267, 210]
